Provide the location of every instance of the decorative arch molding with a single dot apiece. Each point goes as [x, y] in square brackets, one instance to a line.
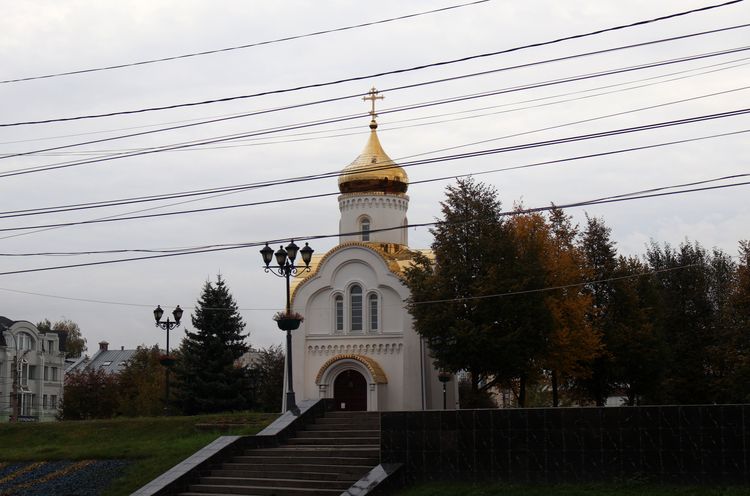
[358, 349]
[378, 376]
[392, 265]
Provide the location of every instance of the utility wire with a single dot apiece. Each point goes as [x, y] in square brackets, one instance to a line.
[238, 188]
[491, 151]
[620, 198]
[686, 73]
[194, 143]
[450, 116]
[404, 70]
[424, 181]
[241, 47]
[423, 302]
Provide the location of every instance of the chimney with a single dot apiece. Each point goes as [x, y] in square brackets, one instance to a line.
[122, 348]
[103, 346]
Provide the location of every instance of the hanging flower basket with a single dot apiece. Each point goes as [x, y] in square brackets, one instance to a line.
[167, 360]
[288, 321]
[444, 376]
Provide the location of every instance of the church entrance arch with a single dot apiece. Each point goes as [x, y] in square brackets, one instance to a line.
[350, 391]
[355, 382]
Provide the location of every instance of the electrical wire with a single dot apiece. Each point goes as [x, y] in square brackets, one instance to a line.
[194, 143]
[391, 72]
[619, 198]
[238, 188]
[491, 151]
[425, 181]
[249, 45]
[392, 125]
[241, 114]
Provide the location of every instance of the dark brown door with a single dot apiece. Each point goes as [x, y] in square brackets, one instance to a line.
[350, 391]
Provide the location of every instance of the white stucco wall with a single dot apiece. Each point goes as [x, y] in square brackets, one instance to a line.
[383, 210]
[394, 347]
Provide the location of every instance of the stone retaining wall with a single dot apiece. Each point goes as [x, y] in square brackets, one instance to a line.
[675, 444]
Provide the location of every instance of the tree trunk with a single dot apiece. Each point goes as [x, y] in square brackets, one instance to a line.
[522, 391]
[555, 398]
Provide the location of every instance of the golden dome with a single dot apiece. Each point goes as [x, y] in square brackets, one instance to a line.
[373, 170]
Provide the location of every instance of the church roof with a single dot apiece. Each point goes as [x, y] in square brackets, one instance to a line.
[373, 171]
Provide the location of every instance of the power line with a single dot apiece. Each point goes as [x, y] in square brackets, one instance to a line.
[424, 302]
[245, 187]
[491, 151]
[425, 181]
[315, 135]
[244, 114]
[241, 47]
[409, 69]
[194, 143]
[556, 288]
[619, 198]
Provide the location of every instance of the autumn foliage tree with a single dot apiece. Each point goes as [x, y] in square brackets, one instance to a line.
[75, 343]
[141, 384]
[89, 394]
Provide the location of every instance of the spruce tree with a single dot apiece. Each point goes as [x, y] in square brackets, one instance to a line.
[208, 379]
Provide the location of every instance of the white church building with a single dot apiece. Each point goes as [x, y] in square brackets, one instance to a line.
[357, 343]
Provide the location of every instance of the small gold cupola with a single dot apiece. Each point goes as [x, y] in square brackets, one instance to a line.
[373, 171]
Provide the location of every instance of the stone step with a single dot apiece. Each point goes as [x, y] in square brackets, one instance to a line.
[348, 414]
[205, 489]
[288, 481]
[364, 450]
[311, 472]
[333, 441]
[307, 460]
[339, 433]
[337, 424]
[286, 467]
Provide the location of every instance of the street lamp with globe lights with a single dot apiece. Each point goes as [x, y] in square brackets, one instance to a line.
[167, 361]
[285, 268]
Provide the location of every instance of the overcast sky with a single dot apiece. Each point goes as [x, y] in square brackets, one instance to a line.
[113, 302]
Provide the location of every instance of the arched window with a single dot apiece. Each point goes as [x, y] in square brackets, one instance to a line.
[338, 308]
[355, 298]
[364, 226]
[25, 341]
[372, 304]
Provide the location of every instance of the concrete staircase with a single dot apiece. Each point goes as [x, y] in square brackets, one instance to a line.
[325, 458]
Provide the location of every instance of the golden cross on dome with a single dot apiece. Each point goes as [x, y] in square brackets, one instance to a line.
[372, 96]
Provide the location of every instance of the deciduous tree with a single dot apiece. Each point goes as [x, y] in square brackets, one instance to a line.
[141, 384]
[75, 343]
[269, 379]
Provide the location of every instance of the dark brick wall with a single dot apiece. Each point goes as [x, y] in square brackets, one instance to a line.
[676, 444]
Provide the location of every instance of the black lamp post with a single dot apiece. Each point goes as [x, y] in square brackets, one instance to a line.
[444, 377]
[166, 360]
[285, 268]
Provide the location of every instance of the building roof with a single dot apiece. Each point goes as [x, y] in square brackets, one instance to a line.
[110, 361]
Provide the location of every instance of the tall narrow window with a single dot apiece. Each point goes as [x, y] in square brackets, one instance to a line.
[365, 228]
[356, 307]
[373, 304]
[338, 303]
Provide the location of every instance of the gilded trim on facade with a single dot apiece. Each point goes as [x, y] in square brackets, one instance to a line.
[374, 367]
[391, 253]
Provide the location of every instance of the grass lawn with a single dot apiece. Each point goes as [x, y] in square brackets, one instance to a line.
[458, 489]
[153, 445]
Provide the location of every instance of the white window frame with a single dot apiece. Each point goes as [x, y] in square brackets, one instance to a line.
[338, 298]
[364, 227]
[377, 315]
[362, 312]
